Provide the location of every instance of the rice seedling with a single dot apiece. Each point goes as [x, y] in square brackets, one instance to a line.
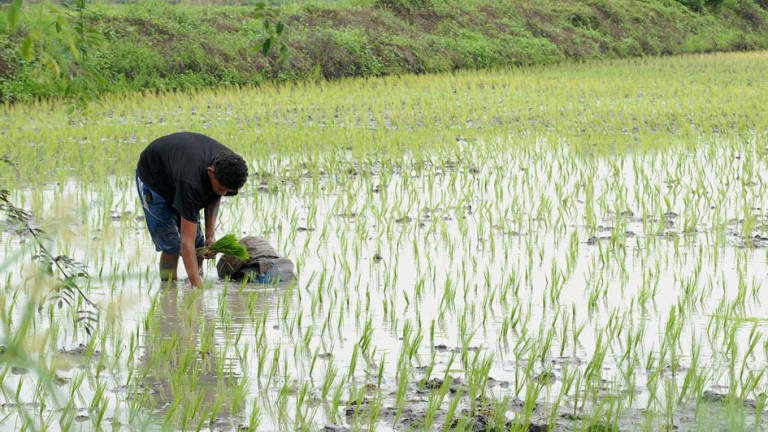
[230, 245]
[590, 236]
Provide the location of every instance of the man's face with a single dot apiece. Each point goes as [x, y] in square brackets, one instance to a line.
[218, 188]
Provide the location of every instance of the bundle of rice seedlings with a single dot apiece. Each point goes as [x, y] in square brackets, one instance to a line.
[230, 245]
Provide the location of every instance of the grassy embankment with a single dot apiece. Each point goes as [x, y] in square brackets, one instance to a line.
[159, 46]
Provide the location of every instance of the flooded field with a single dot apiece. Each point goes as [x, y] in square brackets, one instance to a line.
[581, 247]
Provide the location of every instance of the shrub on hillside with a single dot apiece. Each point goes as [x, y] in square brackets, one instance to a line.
[408, 4]
[751, 13]
[700, 5]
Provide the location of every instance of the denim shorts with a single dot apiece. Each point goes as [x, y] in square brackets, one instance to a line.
[163, 221]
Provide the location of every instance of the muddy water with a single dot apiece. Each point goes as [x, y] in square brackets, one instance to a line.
[537, 263]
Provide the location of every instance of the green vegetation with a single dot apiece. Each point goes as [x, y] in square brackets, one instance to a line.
[155, 45]
[230, 245]
[580, 245]
[618, 105]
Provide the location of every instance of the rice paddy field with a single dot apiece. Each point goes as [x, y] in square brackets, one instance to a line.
[576, 247]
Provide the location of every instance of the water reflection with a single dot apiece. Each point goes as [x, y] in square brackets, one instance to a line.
[191, 369]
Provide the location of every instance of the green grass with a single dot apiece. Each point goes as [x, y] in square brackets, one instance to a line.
[153, 45]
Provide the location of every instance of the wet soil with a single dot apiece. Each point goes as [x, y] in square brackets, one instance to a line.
[493, 414]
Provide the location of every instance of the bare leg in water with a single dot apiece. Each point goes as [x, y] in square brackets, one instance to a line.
[168, 264]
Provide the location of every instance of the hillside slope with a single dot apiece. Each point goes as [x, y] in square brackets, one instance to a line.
[159, 46]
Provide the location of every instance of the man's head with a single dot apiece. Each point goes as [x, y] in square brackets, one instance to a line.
[228, 173]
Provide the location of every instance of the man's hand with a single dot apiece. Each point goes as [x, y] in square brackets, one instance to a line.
[210, 221]
[205, 253]
[188, 253]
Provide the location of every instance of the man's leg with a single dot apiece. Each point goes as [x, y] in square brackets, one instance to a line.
[168, 264]
[162, 221]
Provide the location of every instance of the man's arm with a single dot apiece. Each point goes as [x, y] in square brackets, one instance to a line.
[211, 211]
[188, 255]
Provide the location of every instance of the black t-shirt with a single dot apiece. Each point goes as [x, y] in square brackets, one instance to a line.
[175, 167]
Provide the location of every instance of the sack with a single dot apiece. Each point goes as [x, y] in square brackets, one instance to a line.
[266, 271]
[264, 265]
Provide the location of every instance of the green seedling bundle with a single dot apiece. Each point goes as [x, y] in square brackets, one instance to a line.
[579, 246]
[230, 245]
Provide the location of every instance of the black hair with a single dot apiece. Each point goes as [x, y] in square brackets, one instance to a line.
[230, 170]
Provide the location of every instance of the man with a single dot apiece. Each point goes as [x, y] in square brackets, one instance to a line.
[177, 175]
